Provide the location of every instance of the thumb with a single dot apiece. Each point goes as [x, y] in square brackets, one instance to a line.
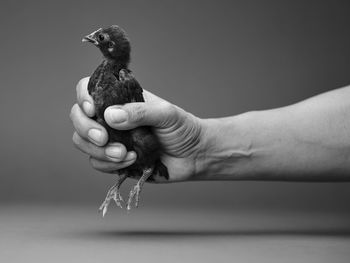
[132, 115]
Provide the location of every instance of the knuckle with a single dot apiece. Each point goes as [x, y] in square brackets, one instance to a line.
[78, 86]
[169, 112]
[81, 83]
[168, 108]
[137, 113]
[73, 111]
[93, 162]
[76, 139]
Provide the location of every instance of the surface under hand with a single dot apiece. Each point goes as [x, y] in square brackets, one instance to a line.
[58, 233]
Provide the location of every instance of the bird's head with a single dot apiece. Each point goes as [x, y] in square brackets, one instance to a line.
[113, 43]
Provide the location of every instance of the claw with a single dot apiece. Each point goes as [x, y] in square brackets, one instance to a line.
[113, 193]
[118, 199]
[104, 207]
[135, 191]
[131, 195]
[134, 194]
[104, 211]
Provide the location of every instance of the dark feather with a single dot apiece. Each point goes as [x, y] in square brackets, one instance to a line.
[112, 83]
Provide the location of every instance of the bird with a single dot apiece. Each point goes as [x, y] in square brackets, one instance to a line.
[114, 83]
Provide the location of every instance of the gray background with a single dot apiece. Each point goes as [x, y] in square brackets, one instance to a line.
[213, 58]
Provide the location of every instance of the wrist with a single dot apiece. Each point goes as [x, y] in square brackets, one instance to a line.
[227, 151]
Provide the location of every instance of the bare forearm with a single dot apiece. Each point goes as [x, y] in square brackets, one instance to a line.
[308, 141]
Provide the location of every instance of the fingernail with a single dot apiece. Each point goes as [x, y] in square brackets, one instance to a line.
[117, 115]
[95, 135]
[130, 156]
[87, 107]
[113, 152]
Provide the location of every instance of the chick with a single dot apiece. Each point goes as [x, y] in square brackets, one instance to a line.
[113, 83]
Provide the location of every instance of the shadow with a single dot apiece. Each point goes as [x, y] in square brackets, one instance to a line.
[163, 234]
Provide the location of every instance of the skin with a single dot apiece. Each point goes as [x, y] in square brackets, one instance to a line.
[178, 132]
[307, 141]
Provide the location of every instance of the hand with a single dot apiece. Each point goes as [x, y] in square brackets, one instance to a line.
[179, 132]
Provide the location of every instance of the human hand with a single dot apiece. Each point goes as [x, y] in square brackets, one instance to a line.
[179, 132]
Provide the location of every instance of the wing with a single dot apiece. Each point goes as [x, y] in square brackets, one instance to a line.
[95, 78]
[131, 85]
[106, 89]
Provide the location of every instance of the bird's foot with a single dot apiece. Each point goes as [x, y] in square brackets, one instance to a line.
[104, 207]
[118, 199]
[134, 194]
[113, 193]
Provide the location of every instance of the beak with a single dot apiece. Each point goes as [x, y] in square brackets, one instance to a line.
[92, 37]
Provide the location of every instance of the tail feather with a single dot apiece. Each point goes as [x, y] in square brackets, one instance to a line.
[160, 172]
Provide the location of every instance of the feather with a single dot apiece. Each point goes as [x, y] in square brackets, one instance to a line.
[113, 83]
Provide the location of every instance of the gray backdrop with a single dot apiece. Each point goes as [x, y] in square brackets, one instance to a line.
[213, 58]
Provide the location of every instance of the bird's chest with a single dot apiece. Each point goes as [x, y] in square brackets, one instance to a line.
[106, 91]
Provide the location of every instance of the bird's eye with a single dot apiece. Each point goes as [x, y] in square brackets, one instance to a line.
[110, 44]
[101, 37]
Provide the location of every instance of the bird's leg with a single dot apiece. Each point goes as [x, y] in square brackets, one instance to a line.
[113, 193]
[135, 191]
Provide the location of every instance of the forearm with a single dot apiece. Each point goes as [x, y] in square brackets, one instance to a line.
[308, 141]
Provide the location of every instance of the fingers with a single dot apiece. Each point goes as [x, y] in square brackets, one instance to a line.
[90, 136]
[109, 167]
[84, 100]
[115, 152]
[105, 159]
[131, 115]
[88, 128]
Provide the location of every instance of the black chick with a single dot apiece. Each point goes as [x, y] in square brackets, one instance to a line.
[113, 83]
